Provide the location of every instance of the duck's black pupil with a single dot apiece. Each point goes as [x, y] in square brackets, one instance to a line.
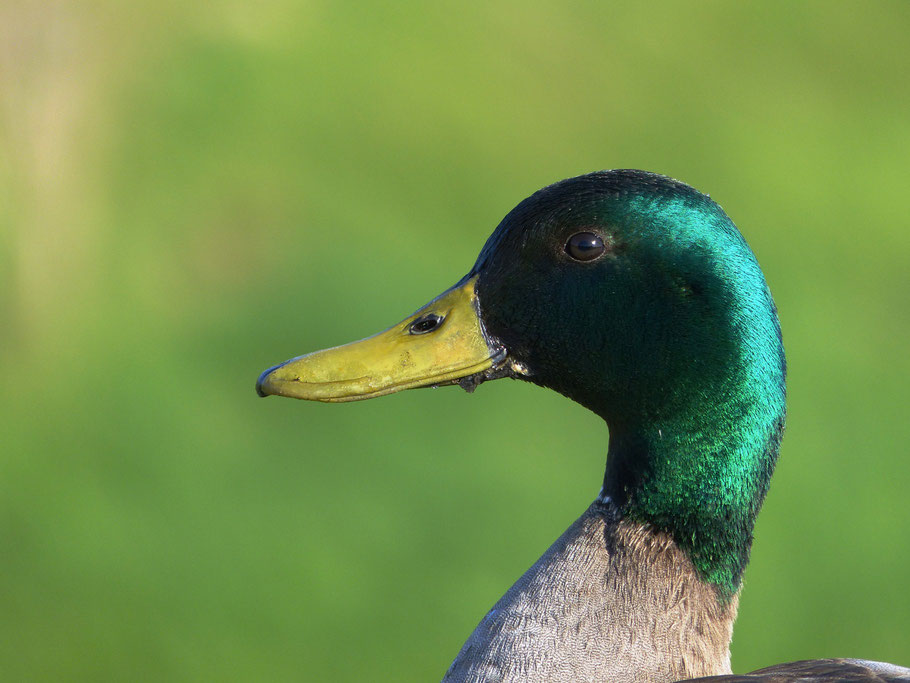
[425, 323]
[585, 246]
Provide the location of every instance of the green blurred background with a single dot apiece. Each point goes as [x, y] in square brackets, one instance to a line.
[190, 193]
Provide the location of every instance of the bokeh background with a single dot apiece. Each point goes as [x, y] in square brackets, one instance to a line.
[191, 192]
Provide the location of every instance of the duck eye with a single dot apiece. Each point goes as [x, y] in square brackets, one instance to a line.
[585, 246]
[425, 323]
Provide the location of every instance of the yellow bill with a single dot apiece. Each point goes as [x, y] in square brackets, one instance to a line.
[442, 343]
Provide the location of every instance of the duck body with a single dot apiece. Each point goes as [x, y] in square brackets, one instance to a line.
[607, 602]
[635, 296]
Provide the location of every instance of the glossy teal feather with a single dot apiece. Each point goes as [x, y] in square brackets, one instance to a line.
[717, 450]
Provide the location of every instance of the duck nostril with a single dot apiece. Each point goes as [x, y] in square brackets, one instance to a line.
[425, 323]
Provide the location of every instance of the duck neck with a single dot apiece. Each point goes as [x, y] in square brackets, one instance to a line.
[701, 473]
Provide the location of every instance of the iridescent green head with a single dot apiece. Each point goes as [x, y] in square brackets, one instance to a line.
[636, 296]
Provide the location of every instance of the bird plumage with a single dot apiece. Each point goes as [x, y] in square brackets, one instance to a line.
[609, 600]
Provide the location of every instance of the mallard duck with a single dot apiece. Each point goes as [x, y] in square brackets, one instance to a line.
[634, 295]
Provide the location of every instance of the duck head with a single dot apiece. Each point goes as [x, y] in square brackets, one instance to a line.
[635, 296]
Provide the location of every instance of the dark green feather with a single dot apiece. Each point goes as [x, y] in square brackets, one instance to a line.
[672, 337]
